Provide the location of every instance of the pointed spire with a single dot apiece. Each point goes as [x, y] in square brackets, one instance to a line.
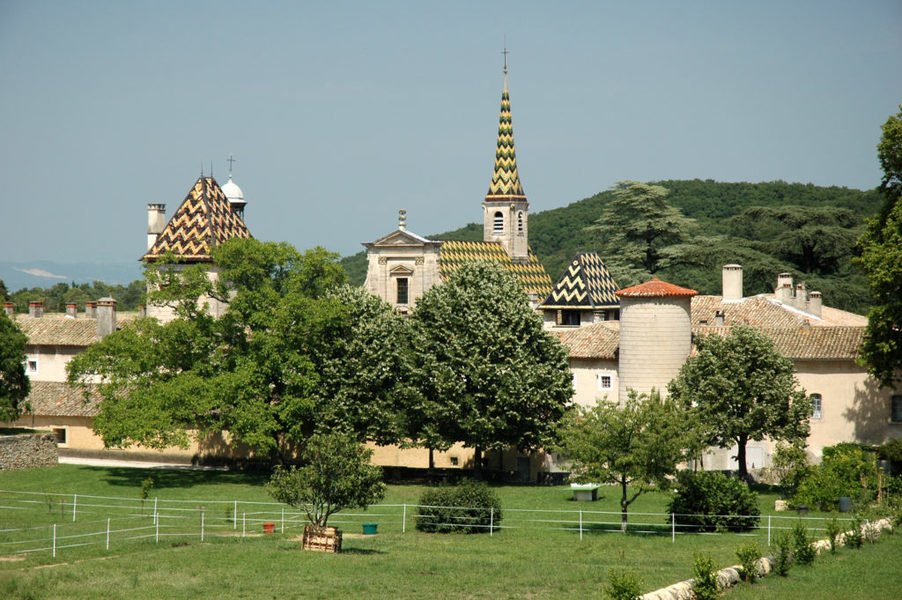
[505, 180]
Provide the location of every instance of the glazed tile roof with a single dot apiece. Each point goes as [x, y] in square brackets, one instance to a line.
[807, 343]
[585, 284]
[598, 340]
[655, 289]
[204, 219]
[54, 399]
[456, 254]
[505, 179]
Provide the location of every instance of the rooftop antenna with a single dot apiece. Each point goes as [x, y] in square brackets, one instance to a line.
[230, 160]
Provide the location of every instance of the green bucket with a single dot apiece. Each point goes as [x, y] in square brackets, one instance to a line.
[370, 528]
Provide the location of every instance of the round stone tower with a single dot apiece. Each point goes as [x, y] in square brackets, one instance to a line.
[655, 335]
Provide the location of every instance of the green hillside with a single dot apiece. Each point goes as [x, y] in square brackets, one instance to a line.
[722, 234]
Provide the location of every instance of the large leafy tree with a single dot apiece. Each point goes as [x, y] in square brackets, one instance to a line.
[490, 376]
[639, 232]
[14, 383]
[881, 257]
[739, 388]
[258, 371]
[635, 445]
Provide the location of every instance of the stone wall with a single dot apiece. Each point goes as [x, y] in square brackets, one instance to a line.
[28, 451]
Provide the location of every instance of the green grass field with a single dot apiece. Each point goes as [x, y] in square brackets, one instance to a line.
[537, 554]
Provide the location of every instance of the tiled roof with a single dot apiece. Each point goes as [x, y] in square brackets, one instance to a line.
[205, 219]
[505, 180]
[585, 284]
[456, 254]
[765, 311]
[53, 399]
[56, 329]
[807, 343]
[655, 289]
[598, 340]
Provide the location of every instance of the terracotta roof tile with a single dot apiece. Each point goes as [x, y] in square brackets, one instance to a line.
[56, 329]
[54, 399]
[764, 310]
[655, 289]
[598, 340]
[807, 343]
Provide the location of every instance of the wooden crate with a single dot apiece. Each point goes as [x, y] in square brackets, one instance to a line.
[322, 539]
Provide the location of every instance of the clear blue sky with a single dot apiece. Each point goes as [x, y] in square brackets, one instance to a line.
[340, 113]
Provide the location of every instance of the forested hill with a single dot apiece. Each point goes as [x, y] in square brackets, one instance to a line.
[767, 227]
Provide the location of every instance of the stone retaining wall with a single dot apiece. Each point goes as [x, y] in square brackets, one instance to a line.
[27, 451]
[729, 576]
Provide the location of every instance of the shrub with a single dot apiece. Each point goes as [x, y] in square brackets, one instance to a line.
[847, 469]
[833, 531]
[704, 577]
[623, 584]
[748, 556]
[790, 467]
[707, 500]
[783, 556]
[469, 507]
[855, 537]
[803, 551]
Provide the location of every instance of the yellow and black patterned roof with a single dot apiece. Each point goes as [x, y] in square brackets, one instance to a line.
[205, 219]
[456, 254]
[586, 284]
[505, 180]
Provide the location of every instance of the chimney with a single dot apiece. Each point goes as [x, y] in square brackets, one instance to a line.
[106, 317]
[784, 287]
[732, 282]
[90, 310]
[36, 309]
[156, 222]
[719, 318]
[815, 303]
[71, 310]
[10, 309]
[142, 311]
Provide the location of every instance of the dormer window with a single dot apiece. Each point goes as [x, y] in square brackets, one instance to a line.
[499, 223]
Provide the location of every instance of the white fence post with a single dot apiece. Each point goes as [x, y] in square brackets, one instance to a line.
[54, 540]
[672, 528]
[235, 516]
[157, 535]
[491, 521]
[154, 508]
[201, 526]
[404, 518]
[580, 525]
[74, 505]
[107, 533]
[243, 524]
[283, 519]
[768, 530]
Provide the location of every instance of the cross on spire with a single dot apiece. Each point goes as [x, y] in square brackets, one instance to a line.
[505, 52]
[230, 160]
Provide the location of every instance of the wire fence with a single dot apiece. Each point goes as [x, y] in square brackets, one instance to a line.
[107, 522]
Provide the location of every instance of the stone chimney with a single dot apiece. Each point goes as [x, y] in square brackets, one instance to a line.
[10, 309]
[71, 310]
[106, 317]
[36, 309]
[156, 222]
[815, 302]
[784, 287]
[90, 310]
[732, 282]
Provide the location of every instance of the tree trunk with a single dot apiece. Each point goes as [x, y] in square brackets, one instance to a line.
[477, 463]
[431, 459]
[624, 507]
[740, 458]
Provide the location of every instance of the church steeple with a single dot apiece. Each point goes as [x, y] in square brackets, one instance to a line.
[505, 208]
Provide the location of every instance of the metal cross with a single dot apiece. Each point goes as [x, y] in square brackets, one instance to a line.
[230, 160]
[505, 53]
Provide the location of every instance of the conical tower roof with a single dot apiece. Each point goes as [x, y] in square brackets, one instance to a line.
[585, 284]
[505, 180]
[205, 219]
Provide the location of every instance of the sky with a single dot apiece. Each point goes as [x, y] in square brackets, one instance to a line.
[340, 113]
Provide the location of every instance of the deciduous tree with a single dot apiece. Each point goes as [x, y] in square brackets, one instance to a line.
[635, 445]
[739, 388]
[14, 383]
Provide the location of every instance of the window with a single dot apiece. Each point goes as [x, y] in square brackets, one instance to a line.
[896, 416]
[816, 405]
[402, 290]
[520, 222]
[453, 461]
[499, 223]
[31, 366]
[569, 317]
[605, 381]
[60, 435]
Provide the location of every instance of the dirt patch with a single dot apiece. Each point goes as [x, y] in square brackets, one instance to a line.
[11, 558]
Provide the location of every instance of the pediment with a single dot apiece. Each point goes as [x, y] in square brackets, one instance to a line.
[401, 270]
[399, 238]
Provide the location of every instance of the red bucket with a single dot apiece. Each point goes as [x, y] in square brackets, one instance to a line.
[269, 527]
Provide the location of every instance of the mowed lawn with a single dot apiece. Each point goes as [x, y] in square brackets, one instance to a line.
[538, 554]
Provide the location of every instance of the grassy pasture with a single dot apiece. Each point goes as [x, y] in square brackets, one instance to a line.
[538, 554]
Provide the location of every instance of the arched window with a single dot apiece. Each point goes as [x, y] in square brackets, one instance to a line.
[519, 222]
[499, 223]
[817, 407]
